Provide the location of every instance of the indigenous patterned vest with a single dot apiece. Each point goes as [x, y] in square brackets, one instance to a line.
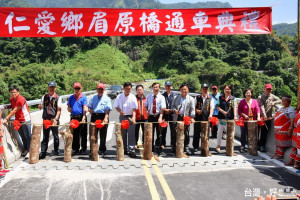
[204, 106]
[50, 107]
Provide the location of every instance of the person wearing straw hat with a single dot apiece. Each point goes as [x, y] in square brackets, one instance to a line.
[22, 114]
[100, 107]
[51, 104]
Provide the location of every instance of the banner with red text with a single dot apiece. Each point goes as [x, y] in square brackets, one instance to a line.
[71, 22]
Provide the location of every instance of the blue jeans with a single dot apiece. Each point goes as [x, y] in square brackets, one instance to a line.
[25, 133]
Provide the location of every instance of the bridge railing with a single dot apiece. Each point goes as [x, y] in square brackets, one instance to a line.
[38, 101]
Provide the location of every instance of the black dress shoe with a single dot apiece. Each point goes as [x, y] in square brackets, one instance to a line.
[82, 151]
[102, 153]
[42, 155]
[75, 152]
[187, 151]
[57, 153]
[132, 154]
[196, 150]
[173, 151]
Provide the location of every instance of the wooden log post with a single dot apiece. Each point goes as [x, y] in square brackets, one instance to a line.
[148, 141]
[179, 140]
[35, 144]
[94, 142]
[230, 138]
[204, 139]
[68, 139]
[252, 138]
[119, 143]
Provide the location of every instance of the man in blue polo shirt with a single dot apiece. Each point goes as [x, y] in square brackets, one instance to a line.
[77, 106]
[99, 108]
[215, 95]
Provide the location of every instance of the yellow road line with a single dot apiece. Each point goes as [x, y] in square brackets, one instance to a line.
[148, 175]
[159, 175]
[162, 180]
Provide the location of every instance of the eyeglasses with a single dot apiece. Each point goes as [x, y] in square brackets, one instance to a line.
[77, 88]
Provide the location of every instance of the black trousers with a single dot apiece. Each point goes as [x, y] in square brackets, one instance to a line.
[172, 131]
[186, 132]
[214, 129]
[103, 130]
[79, 135]
[197, 134]
[244, 134]
[155, 127]
[264, 132]
[137, 131]
[45, 141]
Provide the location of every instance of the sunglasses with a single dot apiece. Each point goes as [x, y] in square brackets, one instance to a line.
[77, 88]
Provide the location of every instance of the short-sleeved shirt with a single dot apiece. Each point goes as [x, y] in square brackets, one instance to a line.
[126, 103]
[100, 105]
[160, 103]
[77, 104]
[216, 99]
[23, 114]
[289, 112]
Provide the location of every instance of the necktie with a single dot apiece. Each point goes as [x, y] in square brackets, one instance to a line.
[154, 105]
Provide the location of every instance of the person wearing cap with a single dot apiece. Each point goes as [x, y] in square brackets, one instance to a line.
[141, 112]
[20, 109]
[183, 105]
[77, 106]
[204, 108]
[267, 102]
[126, 105]
[168, 116]
[215, 96]
[155, 105]
[99, 108]
[51, 104]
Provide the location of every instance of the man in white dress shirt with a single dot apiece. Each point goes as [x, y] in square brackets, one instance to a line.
[126, 104]
[155, 105]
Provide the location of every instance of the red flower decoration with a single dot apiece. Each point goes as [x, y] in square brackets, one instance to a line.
[74, 123]
[17, 125]
[99, 124]
[47, 123]
[261, 122]
[186, 120]
[125, 124]
[214, 121]
[240, 122]
[164, 124]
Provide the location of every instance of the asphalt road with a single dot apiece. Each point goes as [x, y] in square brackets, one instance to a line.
[216, 177]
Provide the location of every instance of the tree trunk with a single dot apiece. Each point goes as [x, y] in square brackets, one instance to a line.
[35, 144]
[147, 141]
[68, 138]
[94, 142]
[119, 143]
[252, 138]
[230, 138]
[179, 139]
[204, 139]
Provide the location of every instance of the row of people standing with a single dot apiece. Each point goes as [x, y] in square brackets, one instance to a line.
[153, 108]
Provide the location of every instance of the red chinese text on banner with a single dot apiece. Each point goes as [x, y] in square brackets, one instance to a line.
[71, 22]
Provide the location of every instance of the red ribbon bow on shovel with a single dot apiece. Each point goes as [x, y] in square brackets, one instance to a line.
[240, 122]
[214, 121]
[17, 125]
[99, 124]
[186, 120]
[125, 124]
[47, 123]
[164, 124]
[74, 123]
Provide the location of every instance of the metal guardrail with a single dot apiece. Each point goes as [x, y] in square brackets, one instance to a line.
[38, 101]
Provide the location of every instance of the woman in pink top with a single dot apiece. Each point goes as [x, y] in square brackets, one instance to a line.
[247, 114]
